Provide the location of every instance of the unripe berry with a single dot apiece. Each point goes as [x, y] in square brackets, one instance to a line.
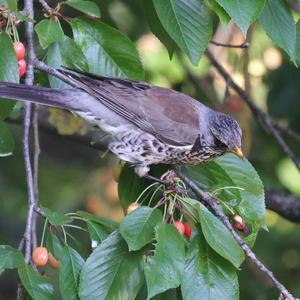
[133, 206]
[40, 256]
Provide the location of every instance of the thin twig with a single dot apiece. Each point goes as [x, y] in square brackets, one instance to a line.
[244, 45]
[249, 253]
[48, 9]
[265, 119]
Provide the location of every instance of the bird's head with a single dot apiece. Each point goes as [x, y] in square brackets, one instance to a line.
[226, 132]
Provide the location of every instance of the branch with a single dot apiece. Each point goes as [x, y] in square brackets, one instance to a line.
[286, 205]
[205, 197]
[268, 123]
[244, 45]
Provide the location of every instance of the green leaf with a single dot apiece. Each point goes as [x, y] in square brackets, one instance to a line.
[10, 258]
[164, 270]
[207, 274]
[55, 218]
[277, 20]
[138, 227]
[100, 220]
[219, 238]
[70, 266]
[38, 287]
[98, 232]
[65, 53]
[156, 26]
[108, 51]
[188, 23]
[87, 7]
[222, 175]
[130, 186]
[112, 272]
[6, 140]
[54, 245]
[9, 71]
[12, 5]
[243, 12]
[219, 10]
[297, 41]
[49, 31]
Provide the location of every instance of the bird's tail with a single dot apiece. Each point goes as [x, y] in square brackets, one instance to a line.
[60, 98]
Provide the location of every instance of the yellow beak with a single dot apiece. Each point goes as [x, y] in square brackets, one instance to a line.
[238, 152]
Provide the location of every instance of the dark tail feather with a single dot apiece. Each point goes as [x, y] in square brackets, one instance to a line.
[65, 98]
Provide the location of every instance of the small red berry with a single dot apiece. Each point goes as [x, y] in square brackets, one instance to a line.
[40, 256]
[187, 229]
[19, 50]
[180, 226]
[239, 223]
[22, 67]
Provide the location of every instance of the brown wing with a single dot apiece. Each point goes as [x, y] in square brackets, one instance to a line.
[169, 115]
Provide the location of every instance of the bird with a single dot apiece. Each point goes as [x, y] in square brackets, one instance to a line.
[147, 124]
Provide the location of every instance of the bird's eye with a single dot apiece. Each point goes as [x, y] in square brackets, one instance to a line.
[218, 143]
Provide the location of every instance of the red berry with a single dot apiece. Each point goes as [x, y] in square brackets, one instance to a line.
[40, 256]
[22, 67]
[19, 50]
[53, 262]
[180, 226]
[187, 229]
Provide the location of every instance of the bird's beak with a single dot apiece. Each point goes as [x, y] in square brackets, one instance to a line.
[238, 152]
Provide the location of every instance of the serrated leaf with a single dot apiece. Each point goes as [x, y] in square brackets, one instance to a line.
[164, 270]
[100, 220]
[56, 218]
[6, 140]
[49, 31]
[10, 258]
[54, 245]
[98, 233]
[219, 238]
[70, 266]
[137, 228]
[208, 274]
[219, 10]
[87, 7]
[9, 71]
[243, 12]
[65, 53]
[188, 23]
[107, 50]
[277, 20]
[37, 286]
[111, 272]
[157, 28]
[235, 182]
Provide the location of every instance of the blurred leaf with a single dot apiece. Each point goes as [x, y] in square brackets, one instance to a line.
[207, 274]
[54, 245]
[108, 51]
[9, 71]
[243, 12]
[219, 10]
[297, 41]
[24, 18]
[10, 258]
[164, 270]
[6, 140]
[188, 23]
[55, 218]
[65, 53]
[130, 186]
[12, 5]
[137, 228]
[38, 287]
[98, 232]
[87, 7]
[278, 22]
[49, 31]
[100, 220]
[221, 175]
[219, 238]
[70, 267]
[111, 271]
[157, 28]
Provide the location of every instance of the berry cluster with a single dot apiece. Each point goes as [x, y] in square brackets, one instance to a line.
[20, 53]
[184, 228]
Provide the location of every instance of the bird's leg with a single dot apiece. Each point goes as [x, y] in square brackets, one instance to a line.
[152, 178]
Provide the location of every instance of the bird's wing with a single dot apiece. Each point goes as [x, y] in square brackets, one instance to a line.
[171, 116]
